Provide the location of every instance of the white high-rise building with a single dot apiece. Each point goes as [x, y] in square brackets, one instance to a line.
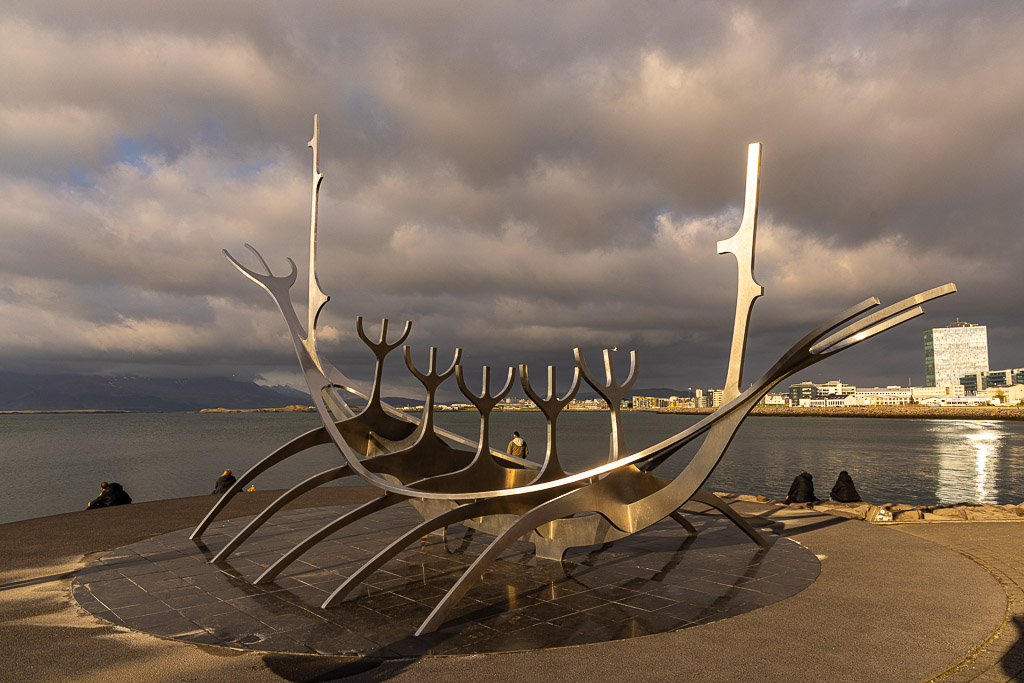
[954, 351]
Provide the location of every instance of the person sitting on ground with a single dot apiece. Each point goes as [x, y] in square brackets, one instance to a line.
[844, 491]
[802, 489]
[224, 482]
[113, 494]
[517, 446]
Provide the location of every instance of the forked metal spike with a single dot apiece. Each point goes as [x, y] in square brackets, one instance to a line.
[382, 347]
[612, 394]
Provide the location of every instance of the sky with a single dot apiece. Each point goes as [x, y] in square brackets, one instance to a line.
[516, 178]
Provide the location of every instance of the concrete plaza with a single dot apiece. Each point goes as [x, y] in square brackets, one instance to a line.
[891, 603]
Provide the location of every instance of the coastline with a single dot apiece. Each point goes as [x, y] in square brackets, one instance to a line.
[286, 409]
[81, 411]
[893, 412]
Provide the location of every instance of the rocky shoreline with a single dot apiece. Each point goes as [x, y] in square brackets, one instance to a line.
[286, 409]
[914, 412]
[899, 512]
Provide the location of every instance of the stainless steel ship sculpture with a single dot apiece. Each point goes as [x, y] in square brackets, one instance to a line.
[504, 496]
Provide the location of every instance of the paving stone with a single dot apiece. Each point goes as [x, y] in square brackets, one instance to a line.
[652, 582]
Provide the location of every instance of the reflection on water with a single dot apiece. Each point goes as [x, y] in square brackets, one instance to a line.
[920, 462]
[967, 454]
[59, 460]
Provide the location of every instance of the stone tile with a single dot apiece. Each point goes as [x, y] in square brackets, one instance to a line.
[168, 624]
[649, 583]
[231, 626]
[142, 609]
[217, 607]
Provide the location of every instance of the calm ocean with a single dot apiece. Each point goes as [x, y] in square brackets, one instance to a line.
[54, 463]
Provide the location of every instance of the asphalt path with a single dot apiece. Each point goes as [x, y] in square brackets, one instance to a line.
[887, 606]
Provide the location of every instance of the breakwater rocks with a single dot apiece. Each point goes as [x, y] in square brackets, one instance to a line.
[898, 512]
[906, 412]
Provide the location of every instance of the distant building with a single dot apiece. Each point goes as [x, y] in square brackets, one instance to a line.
[1002, 395]
[649, 402]
[884, 396]
[829, 401]
[954, 351]
[802, 391]
[979, 381]
[587, 404]
[924, 394]
[836, 388]
[809, 391]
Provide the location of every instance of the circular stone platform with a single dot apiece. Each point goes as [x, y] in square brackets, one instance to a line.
[652, 582]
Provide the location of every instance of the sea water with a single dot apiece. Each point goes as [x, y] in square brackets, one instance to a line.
[54, 463]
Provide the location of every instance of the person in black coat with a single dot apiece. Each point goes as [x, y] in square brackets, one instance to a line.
[224, 482]
[113, 494]
[844, 491]
[802, 489]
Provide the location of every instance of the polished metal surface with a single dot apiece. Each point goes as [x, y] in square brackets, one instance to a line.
[506, 497]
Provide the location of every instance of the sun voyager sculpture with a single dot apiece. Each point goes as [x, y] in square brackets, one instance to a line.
[404, 457]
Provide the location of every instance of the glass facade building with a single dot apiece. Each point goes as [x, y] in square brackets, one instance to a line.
[954, 351]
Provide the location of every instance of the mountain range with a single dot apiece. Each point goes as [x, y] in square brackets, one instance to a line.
[22, 391]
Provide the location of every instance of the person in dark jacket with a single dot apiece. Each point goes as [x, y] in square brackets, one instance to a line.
[113, 494]
[802, 489]
[224, 482]
[844, 491]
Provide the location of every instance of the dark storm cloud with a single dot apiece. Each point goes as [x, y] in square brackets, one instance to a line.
[515, 178]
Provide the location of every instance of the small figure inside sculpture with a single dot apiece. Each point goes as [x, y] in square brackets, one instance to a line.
[113, 494]
[224, 482]
[844, 491]
[517, 446]
[802, 489]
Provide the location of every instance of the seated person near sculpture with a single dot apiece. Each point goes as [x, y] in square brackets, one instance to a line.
[224, 482]
[802, 489]
[844, 491]
[517, 446]
[112, 495]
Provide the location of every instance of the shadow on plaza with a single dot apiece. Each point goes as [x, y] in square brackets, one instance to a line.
[1013, 661]
[24, 583]
[382, 665]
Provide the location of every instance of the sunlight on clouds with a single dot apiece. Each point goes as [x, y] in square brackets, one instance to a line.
[552, 172]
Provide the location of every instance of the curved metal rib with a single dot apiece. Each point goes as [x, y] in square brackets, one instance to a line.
[375, 505]
[285, 498]
[313, 437]
[536, 517]
[710, 499]
[454, 516]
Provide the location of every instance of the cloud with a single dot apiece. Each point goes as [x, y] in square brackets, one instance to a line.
[516, 180]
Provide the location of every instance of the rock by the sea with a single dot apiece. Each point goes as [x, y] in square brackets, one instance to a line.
[901, 512]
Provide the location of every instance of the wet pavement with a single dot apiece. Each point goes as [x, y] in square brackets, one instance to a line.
[657, 581]
[886, 606]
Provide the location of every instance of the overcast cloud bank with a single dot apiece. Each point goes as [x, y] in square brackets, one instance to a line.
[517, 179]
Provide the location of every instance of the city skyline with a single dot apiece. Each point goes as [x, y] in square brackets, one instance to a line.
[516, 181]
